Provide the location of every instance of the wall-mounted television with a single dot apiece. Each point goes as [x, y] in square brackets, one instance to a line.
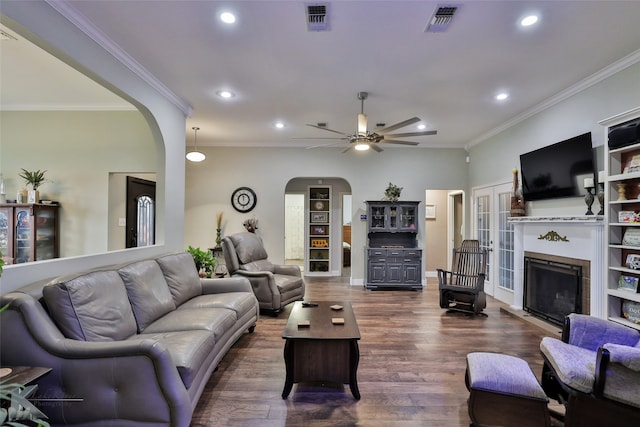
[557, 170]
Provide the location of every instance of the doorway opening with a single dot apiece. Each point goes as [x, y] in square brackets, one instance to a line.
[444, 227]
[294, 229]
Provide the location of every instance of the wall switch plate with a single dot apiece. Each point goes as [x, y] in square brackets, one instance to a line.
[122, 222]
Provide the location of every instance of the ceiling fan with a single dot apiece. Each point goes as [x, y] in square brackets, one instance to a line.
[362, 139]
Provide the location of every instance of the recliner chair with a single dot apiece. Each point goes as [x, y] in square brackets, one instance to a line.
[594, 371]
[275, 286]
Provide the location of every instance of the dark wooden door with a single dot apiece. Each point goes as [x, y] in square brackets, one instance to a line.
[141, 212]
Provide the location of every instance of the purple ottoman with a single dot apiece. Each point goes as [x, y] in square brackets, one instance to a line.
[504, 392]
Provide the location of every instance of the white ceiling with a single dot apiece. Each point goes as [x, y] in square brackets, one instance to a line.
[281, 71]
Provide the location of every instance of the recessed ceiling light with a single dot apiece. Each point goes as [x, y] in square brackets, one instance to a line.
[227, 17]
[502, 96]
[225, 94]
[422, 126]
[529, 20]
[278, 125]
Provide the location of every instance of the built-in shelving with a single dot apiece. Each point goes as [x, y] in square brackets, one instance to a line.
[318, 248]
[622, 193]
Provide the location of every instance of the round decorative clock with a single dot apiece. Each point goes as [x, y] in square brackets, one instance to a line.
[243, 199]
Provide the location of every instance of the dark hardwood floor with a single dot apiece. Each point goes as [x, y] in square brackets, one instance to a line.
[411, 372]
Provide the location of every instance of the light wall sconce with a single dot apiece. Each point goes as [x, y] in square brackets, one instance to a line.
[195, 155]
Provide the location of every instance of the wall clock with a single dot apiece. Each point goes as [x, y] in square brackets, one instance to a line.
[243, 199]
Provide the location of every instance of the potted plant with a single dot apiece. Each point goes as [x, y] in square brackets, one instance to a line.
[392, 192]
[35, 179]
[204, 260]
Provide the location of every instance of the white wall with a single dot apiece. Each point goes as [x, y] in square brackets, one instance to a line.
[268, 171]
[38, 22]
[493, 160]
[78, 150]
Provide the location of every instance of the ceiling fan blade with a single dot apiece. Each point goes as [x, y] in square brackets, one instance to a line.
[376, 148]
[327, 129]
[347, 149]
[398, 125]
[405, 135]
[322, 145]
[395, 141]
[319, 137]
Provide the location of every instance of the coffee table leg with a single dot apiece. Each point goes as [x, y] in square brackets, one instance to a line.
[353, 368]
[288, 362]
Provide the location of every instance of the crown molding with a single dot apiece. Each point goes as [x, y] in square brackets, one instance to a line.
[584, 84]
[87, 27]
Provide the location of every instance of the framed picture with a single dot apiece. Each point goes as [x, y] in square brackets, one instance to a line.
[633, 261]
[319, 217]
[319, 230]
[430, 211]
[628, 283]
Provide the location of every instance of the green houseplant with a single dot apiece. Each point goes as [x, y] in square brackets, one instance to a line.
[35, 179]
[392, 192]
[203, 259]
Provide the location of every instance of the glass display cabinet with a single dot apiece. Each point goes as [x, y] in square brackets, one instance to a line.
[29, 232]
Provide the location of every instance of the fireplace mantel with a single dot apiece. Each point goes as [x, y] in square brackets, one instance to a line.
[570, 236]
[559, 219]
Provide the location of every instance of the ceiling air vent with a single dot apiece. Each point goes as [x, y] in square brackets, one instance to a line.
[441, 19]
[317, 19]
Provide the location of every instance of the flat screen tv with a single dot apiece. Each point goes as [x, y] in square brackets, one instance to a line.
[557, 170]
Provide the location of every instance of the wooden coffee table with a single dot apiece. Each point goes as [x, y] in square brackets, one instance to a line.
[322, 351]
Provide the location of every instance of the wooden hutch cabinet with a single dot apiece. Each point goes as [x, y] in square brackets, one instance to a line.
[393, 257]
[29, 232]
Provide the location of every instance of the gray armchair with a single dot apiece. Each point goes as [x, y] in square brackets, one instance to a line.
[274, 285]
[595, 371]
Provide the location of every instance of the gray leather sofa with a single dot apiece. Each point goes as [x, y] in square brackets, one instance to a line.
[274, 285]
[131, 345]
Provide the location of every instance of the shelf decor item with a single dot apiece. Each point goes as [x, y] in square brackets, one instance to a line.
[628, 283]
[631, 311]
[392, 193]
[631, 237]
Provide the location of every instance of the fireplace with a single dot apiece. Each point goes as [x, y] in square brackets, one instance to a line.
[555, 286]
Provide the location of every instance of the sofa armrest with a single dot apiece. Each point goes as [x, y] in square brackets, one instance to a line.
[287, 270]
[592, 333]
[224, 285]
[102, 375]
[627, 356]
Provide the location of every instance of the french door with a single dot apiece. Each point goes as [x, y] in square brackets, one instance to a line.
[491, 207]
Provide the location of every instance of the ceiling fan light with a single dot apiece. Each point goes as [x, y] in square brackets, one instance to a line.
[362, 124]
[362, 146]
[195, 156]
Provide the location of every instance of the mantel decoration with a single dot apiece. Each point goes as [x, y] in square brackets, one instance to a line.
[392, 193]
[553, 236]
[517, 201]
[589, 197]
[35, 179]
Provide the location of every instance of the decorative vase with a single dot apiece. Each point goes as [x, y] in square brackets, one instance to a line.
[218, 237]
[601, 199]
[21, 195]
[622, 190]
[588, 199]
[33, 196]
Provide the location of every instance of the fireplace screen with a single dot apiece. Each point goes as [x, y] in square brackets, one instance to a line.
[552, 290]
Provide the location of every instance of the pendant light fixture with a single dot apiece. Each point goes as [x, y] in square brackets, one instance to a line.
[195, 155]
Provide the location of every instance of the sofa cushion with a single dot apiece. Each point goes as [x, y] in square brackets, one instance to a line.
[575, 366]
[216, 320]
[188, 349]
[249, 247]
[91, 307]
[239, 302]
[148, 291]
[181, 275]
[260, 265]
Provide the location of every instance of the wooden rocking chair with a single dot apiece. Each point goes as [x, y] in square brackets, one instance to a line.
[462, 288]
